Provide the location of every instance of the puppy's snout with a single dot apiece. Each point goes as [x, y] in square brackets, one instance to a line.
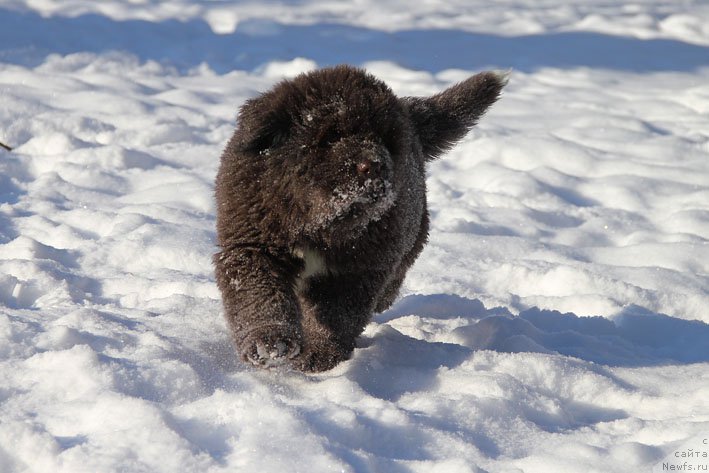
[368, 168]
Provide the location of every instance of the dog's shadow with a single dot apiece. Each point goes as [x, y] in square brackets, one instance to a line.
[389, 363]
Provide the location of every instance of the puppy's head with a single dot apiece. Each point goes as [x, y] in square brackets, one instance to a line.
[337, 146]
[335, 138]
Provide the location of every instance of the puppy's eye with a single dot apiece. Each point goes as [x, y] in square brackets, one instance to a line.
[326, 138]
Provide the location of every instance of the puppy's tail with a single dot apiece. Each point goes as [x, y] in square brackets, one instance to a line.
[443, 119]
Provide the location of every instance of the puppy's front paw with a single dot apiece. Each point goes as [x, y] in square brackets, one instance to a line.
[321, 356]
[271, 345]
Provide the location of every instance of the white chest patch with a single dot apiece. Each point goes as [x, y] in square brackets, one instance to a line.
[314, 264]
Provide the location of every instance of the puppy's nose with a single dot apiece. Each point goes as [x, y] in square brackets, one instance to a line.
[368, 168]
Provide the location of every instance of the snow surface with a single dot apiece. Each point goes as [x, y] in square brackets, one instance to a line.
[557, 321]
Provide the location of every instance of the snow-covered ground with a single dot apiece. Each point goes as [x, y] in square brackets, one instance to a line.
[557, 321]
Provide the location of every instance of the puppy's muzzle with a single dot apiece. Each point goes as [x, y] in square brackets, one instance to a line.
[372, 166]
[368, 168]
[372, 177]
[370, 174]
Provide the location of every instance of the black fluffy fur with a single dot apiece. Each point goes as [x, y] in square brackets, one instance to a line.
[321, 207]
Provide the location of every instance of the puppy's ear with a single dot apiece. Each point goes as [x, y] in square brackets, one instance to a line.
[263, 123]
[445, 118]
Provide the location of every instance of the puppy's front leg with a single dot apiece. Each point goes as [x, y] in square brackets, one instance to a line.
[336, 308]
[259, 304]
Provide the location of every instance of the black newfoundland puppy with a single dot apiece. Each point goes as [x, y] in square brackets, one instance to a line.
[321, 207]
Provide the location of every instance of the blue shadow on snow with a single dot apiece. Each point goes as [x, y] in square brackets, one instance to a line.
[635, 337]
[28, 38]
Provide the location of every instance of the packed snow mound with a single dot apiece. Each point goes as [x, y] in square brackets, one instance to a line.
[557, 320]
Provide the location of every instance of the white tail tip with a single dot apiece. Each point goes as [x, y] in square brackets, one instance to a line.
[503, 75]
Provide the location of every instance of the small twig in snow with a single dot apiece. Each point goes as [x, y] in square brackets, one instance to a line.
[3, 145]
